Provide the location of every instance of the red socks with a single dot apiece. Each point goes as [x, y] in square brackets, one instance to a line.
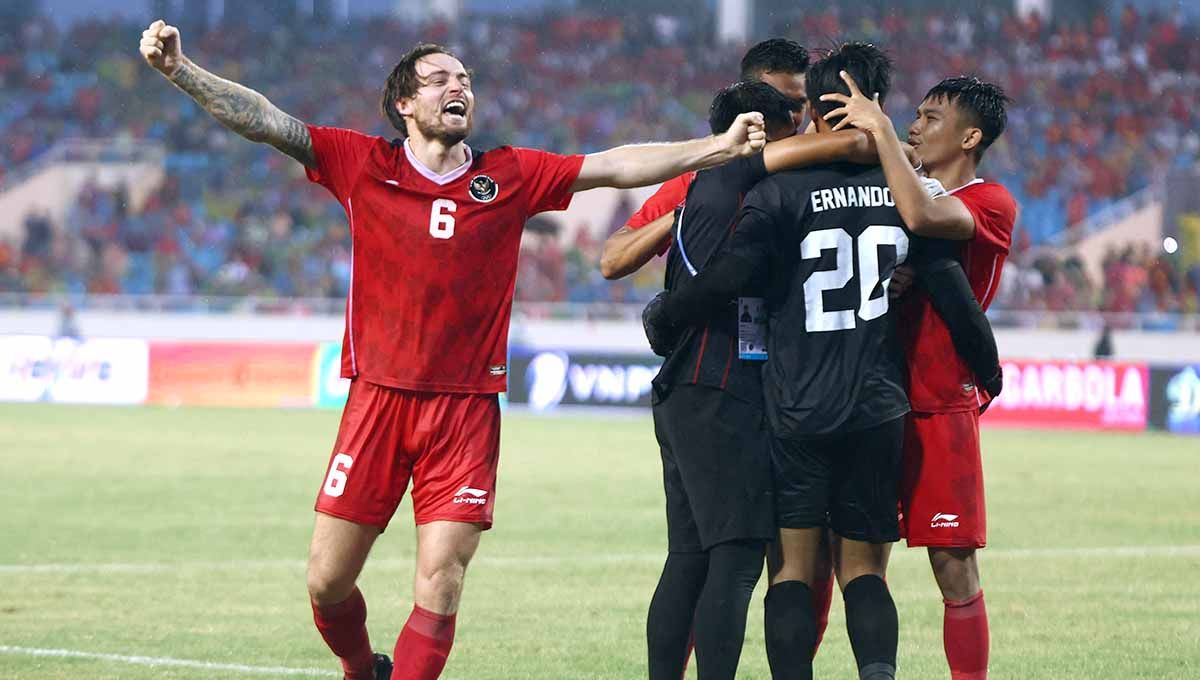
[965, 635]
[344, 627]
[822, 596]
[423, 645]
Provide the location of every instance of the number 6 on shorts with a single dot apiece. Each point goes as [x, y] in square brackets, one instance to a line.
[335, 483]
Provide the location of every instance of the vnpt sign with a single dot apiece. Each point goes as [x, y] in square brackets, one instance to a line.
[551, 378]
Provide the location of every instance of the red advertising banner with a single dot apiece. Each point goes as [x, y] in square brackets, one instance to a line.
[231, 374]
[1082, 395]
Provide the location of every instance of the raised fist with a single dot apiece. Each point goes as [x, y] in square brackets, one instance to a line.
[747, 135]
[162, 48]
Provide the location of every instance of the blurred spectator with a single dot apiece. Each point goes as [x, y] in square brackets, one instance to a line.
[68, 324]
[239, 219]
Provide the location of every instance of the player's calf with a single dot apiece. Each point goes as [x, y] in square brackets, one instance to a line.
[791, 630]
[965, 633]
[343, 626]
[873, 625]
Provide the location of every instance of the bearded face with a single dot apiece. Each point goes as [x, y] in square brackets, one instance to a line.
[443, 108]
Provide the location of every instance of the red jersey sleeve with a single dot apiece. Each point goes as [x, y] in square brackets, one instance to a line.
[548, 178]
[340, 155]
[669, 196]
[995, 212]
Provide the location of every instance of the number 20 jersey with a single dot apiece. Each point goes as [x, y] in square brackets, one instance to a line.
[830, 238]
[434, 257]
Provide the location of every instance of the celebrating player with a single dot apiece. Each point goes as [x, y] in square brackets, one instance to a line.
[694, 569]
[708, 419]
[836, 420]
[942, 484]
[436, 227]
[834, 398]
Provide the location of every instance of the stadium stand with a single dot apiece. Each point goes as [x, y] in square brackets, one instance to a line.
[233, 219]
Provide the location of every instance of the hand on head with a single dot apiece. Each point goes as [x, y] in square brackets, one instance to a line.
[856, 109]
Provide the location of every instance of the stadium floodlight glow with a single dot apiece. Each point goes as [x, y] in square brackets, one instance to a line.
[1170, 245]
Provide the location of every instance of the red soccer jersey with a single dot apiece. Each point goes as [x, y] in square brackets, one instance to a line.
[434, 257]
[668, 197]
[939, 380]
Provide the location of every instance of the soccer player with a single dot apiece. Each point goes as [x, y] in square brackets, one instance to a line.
[942, 483]
[708, 420]
[829, 239]
[436, 227]
[778, 62]
[692, 568]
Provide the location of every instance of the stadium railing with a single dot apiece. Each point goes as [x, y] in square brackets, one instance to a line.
[603, 311]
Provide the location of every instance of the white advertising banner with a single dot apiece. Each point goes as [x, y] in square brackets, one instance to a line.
[65, 370]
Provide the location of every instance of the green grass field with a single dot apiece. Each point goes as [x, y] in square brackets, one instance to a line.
[181, 535]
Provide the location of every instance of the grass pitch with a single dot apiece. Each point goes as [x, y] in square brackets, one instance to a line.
[181, 535]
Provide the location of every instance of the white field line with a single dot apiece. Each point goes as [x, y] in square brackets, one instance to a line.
[1127, 551]
[158, 661]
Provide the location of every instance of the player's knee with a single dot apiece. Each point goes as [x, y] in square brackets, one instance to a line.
[956, 572]
[443, 582]
[326, 588]
[327, 584]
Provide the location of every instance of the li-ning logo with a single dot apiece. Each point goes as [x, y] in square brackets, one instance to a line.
[470, 496]
[942, 520]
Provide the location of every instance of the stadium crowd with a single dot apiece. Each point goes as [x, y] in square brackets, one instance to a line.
[1081, 136]
[1132, 280]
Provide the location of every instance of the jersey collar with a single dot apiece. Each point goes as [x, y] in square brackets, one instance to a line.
[430, 174]
[977, 180]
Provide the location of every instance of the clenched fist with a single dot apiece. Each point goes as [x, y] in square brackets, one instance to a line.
[162, 48]
[746, 136]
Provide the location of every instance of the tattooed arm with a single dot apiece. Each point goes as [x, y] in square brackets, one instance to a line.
[237, 107]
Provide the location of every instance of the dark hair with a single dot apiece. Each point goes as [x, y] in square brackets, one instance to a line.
[985, 105]
[867, 64]
[745, 97]
[403, 82]
[777, 55]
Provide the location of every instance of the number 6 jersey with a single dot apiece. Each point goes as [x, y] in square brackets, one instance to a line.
[434, 257]
[830, 238]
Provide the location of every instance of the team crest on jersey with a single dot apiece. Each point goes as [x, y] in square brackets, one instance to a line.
[484, 188]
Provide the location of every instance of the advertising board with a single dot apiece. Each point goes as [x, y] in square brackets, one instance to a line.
[1175, 398]
[547, 379]
[231, 374]
[67, 370]
[1086, 395]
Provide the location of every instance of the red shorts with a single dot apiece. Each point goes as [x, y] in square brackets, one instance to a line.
[941, 481]
[447, 444]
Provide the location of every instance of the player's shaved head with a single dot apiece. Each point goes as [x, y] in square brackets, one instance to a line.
[403, 82]
[866, 63]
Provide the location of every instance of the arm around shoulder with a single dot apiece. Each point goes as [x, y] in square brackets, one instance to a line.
[628, 250]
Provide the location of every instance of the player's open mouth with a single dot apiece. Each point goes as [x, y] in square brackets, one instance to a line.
[455, 109]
